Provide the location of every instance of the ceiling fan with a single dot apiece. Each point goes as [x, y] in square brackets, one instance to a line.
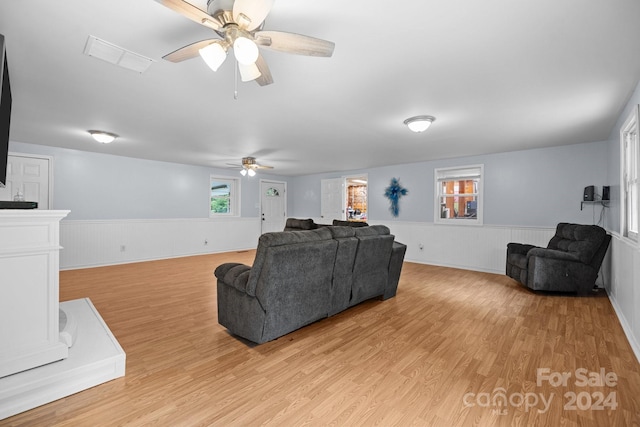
[238, 25]
[249, 166]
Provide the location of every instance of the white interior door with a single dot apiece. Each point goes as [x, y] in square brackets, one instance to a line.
[332, 199]
[273, 205]
[30, 175]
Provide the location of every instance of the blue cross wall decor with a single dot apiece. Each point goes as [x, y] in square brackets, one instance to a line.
[393, 192]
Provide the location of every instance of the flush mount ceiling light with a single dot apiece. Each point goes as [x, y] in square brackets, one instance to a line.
[419, 123]
[102, 136]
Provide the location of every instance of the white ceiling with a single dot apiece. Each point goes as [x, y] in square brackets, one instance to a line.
[498, 75]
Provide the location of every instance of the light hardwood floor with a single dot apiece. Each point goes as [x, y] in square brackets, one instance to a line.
[435, 355]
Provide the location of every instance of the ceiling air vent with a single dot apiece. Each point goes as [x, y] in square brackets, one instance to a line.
[116, 55]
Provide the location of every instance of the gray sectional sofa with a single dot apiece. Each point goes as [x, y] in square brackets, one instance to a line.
[299, 277]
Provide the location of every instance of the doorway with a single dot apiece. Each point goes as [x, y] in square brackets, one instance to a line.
[31, 176]
[356, 197]
[345, 198]
[273, 205]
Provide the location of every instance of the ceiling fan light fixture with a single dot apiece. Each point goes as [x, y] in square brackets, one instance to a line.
[251, 172]
[419, 123]
[248, 72]
[245, 50]
[102, 136]
[213, 55]
[243, 172]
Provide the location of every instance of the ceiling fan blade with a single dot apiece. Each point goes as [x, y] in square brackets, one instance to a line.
[263, 167]
[187, 52]
[265, 74]
[249, 14]
[190, 11]
[294, 43]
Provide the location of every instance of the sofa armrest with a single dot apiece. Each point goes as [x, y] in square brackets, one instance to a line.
[234, 274]
[554, 254]
[566, 274]
[519, 248]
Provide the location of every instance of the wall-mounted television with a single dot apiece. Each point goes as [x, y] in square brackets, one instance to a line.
[5, 111]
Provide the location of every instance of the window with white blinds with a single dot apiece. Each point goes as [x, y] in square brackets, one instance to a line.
[630, 151]
[458, 195]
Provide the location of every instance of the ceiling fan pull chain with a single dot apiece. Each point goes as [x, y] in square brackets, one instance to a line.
[235, 82]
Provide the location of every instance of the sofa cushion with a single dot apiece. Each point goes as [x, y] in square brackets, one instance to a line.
[299, 224]
[373, 230]
[581, 240]
[281, 239]
[294, 284]
[340, 232]
[350, 223]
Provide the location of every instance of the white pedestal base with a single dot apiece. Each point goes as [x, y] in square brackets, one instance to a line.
[95, 358]
[68, 327]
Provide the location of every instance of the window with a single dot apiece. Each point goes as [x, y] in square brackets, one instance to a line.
[630, 164]
[458, 195]
[225, 197]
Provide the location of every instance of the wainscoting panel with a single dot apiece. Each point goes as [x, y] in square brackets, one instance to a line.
[98, 243]
[623, 288]
[480, 248]
[636, 297]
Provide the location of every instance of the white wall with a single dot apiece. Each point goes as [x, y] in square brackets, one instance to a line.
[97, 186]
[534, 188]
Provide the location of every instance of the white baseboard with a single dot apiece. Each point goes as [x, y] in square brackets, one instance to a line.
[628, 330]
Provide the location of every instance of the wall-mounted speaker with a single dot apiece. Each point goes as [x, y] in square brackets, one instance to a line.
[589, 193]
[606, 192]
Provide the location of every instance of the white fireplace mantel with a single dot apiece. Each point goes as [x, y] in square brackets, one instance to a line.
[29, 289]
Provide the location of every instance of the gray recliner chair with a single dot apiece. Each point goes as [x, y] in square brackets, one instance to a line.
[570, 262]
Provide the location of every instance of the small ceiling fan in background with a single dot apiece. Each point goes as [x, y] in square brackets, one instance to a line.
[238, 25]
[249, 166]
